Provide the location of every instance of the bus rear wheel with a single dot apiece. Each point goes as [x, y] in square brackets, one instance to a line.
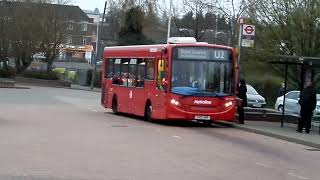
[148, 113]
[115, 105]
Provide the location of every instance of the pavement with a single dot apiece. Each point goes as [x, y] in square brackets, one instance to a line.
[65, 134]
[287, 132]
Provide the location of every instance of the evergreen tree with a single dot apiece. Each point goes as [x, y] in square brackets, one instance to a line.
[131, 33]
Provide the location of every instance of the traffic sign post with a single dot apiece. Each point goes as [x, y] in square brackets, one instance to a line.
[246, 37]
[239, 44]
[241, 22]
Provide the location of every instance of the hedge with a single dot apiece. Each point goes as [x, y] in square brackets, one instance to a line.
[268, 87]
[97, 80]
[41, 75]
[7, 72]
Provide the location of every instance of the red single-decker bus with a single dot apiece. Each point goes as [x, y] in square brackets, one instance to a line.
[181, 81]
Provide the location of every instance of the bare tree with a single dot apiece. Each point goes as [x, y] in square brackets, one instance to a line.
[53, 30]
[5, 22]
[233, 10]
[197, 18]
[24, 34]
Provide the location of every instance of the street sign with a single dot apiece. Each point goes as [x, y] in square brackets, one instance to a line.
[241, 21]
[248, 35]
[248, 30]
[247, 43]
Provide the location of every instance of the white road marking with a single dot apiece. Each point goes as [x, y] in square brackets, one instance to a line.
[297, 176]
[94, 110]
[178, 137]
[263, 165]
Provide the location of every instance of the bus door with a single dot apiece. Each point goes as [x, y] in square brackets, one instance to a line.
[162, 88]
[143, 78]
[106, 84]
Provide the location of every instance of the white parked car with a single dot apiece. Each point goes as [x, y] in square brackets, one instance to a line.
[292, 103]
[254, 99]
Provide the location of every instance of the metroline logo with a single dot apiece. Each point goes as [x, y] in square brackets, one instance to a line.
[202, 102]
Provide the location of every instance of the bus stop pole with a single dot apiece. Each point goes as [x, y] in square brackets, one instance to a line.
[239, 45]
[169, 22]
[284, 96]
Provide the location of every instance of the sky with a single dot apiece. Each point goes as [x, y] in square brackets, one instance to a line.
[92, 4]
[89, 4]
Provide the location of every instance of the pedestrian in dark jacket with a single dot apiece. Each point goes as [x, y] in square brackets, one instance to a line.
[282, 90]
[242, 94]
[308, 102]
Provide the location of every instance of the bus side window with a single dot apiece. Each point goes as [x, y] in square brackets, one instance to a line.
[150, 69]
[109, 68]
[116, 72]
[124, 72]
[132, 73]
[141, 73]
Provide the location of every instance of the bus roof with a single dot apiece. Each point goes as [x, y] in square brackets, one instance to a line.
[148, 50]
[163, 46]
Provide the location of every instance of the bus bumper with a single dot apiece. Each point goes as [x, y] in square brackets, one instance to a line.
[224, 115]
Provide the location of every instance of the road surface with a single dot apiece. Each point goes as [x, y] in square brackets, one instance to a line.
[64, 134]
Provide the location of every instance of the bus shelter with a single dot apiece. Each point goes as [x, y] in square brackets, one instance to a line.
[309, 68]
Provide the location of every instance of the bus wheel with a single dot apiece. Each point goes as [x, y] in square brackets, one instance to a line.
[148, 112]
[115, 105]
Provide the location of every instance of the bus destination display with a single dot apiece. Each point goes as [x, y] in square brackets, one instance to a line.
[203, 53]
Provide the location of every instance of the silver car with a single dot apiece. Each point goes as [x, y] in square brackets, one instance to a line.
[292, 104]
[254, 99]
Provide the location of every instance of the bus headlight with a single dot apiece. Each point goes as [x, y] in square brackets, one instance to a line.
[175, 102]
[228, 104]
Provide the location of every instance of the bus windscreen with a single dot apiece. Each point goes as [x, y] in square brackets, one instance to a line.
[202, 71]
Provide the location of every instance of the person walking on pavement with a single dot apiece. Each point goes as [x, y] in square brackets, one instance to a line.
[282, 90]
[242, 94]
[308, 102]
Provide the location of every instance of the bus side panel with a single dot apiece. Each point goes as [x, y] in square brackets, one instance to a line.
[158, 99]
[108, 93]
[138, 101]
[104, 93]
[160, 107]
[122, 94]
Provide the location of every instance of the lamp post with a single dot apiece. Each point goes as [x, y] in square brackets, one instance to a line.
[98, 49]
[169, 22]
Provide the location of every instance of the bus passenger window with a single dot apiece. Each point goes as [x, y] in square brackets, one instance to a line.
[116, 71]
[141, 73]
[150, 69]
[124, 72]
[132, 73]
[109, 68]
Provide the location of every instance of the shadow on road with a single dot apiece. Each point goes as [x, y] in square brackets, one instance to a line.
[176, 123]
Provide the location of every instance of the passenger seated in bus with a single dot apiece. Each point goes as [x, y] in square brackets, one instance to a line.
[139, 81]
[124, 79]
[116, 78]
[132, 80]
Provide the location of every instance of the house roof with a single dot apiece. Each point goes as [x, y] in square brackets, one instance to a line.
[67, 12]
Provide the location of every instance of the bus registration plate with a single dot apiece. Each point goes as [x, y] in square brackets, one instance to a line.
[202, 117]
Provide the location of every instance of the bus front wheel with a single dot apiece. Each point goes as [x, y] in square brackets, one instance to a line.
[115, 105]
[148, 112]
